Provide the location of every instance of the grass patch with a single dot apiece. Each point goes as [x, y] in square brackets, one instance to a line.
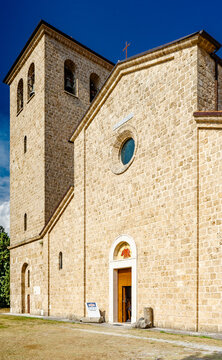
[3, 326]
[29, 319]
[203, 337]
[184, 335]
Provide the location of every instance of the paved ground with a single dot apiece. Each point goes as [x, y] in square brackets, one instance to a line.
[31, 338]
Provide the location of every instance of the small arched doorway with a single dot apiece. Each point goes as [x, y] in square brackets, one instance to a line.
[123, 280]
[25, 285]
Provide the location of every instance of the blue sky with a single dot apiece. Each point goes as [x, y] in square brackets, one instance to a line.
[102, 26]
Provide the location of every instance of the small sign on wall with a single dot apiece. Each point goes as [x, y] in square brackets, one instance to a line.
[92, 310]
[36, 290]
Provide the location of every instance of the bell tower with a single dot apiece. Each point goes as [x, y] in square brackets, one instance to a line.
[49, 93]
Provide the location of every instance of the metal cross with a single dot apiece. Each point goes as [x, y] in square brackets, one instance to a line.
[125, 48]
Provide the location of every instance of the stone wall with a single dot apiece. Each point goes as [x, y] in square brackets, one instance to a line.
[210, 228]
[63, 113]
[66, 284]
[27, 169]
[154, 200]
[206, 81]
[36, 257]
[220, 87]
[41, 176]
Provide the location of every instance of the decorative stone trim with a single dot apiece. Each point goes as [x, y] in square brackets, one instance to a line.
[120, 137]
[114, 265]
[207, 113]
[31, 97]
[208, 117]
[73, 95]
[52, 221]
[19, 111]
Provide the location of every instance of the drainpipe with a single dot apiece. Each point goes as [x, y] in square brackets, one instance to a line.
[216, 84]
[215, 57]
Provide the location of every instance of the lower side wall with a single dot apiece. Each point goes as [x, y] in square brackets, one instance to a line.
[28, 274]
[210, 229]
[66, 289]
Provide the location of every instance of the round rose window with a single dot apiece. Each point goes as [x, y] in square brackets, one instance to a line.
[127, 151]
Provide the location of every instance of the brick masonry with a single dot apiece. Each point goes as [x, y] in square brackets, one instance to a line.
[168, 200]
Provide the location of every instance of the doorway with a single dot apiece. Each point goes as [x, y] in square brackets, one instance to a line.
[122, 259]
[124, 295]
[25, 289]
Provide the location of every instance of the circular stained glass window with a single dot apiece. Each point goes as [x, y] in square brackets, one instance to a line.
[127, 151]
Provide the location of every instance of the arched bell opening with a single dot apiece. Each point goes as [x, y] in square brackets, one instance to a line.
[93, 86]
[69, 77]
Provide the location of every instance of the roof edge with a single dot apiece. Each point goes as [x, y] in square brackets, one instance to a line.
[63, 203]
[43, 22]
[201, 33]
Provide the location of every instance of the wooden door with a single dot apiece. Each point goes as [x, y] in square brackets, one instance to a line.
[124, 280]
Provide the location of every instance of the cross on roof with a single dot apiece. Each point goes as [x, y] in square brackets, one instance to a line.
[125, 48]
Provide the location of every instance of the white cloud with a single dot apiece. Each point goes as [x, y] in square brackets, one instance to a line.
[5, 215]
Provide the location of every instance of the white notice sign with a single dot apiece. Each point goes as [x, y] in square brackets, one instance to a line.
[36, 290]
[92, 310]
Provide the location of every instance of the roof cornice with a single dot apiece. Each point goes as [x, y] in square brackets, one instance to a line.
[59, 210]
[44, 28]
[144, 60]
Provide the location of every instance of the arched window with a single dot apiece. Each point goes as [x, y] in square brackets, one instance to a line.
[60, 260]
[25, 144]
[20, 96]
[25, 222]
[31, 80]
[28, 278]
[69, 77]
[94, 85]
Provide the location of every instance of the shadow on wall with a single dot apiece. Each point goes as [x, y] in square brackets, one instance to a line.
[216, 356]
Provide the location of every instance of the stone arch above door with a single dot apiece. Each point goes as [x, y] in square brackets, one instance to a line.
[122, 254]
[116, 246]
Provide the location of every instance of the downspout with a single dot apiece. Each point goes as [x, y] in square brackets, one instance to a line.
[49, 305]
[215, 57]
[84, 230]
[216, 84]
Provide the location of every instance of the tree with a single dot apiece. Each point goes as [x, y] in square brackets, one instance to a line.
[4, 268]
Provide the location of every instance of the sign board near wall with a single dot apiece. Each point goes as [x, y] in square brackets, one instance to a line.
[92, 310]
[36, 290]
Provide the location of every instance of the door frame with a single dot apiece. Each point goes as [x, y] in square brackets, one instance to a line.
[114, 266]
[23, 288]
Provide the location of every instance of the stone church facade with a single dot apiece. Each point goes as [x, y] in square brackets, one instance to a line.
[119, 198]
